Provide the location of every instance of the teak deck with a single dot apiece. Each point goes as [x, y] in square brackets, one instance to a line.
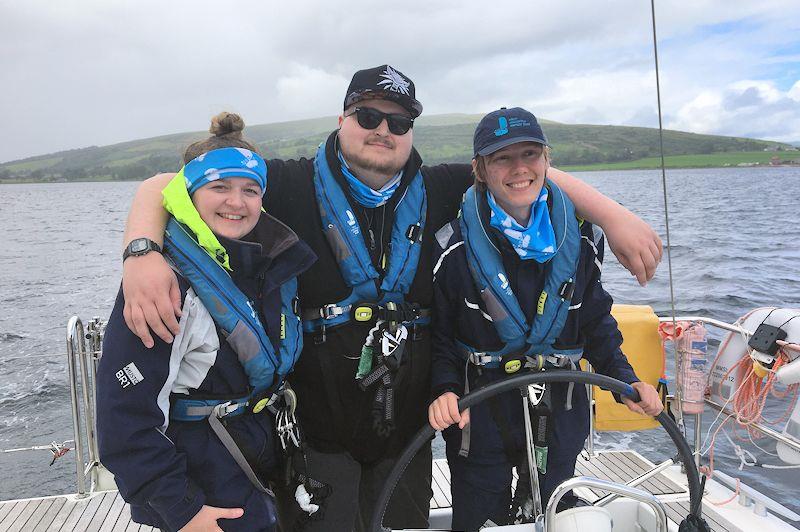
[107, 512]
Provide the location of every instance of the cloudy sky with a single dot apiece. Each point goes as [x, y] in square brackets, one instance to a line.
[95, 72]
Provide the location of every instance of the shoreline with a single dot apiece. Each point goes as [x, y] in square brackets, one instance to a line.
[587, 168]
[609, 168]
[12, 181]
[600, 167]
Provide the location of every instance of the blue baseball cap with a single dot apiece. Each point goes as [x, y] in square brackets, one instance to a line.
[505, 127]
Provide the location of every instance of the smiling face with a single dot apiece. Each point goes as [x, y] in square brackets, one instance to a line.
[376, 154]
[230, 207]
[515, 176]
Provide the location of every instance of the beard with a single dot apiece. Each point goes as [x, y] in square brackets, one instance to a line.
[387, 166]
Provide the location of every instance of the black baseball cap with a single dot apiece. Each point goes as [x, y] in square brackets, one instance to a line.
[505, 127]
[383, 82]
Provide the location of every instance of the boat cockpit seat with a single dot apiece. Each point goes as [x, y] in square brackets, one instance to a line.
[583, 519]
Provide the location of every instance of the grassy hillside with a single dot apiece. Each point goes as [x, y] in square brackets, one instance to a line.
[439, 138]
[573, 145]
[700, 160]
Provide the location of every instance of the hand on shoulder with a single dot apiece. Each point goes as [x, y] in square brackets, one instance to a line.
[636, 245]
[152, 298]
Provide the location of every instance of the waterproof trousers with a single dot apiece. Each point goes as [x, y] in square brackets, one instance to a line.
[481, 482]
[355, 488]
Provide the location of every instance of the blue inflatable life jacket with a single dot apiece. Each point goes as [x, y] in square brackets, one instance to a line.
[344, 236]
[235, 315]
[486, 266]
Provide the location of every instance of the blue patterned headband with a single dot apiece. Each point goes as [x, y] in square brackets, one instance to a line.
[224, 163]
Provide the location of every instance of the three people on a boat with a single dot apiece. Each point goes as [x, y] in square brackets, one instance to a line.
[237, 270]
[517, 287]
[369, 210]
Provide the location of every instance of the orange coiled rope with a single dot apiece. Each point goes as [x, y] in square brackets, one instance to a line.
[756, 384]
[750, 398]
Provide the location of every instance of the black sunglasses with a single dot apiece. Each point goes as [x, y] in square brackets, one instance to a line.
[370, 118]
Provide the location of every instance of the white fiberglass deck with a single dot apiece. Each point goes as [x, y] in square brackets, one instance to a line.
[107, 512]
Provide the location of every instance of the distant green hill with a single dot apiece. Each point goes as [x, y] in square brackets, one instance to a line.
[439, 138]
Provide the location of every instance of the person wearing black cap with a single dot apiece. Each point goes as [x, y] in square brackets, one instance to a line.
[517, 286]
[369, 210]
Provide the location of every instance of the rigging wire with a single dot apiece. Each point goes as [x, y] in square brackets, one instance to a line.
[678, 378]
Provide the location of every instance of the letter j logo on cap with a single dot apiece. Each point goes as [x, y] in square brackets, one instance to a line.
[503, 129]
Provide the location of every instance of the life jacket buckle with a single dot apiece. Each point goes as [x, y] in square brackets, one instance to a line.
[414, 233]
[534, 362]
[330, 310]
[559, 360]
[225, 409]
[567, 290]
[481, 358]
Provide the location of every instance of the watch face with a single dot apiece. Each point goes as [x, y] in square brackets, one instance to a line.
[139, 245]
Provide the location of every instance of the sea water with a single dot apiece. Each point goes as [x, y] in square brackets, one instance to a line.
[735, 242]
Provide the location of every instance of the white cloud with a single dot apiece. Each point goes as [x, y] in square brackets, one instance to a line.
[794, 92]
[87, 72]
[311, 92]
[700, 114]
[745, 108]
[610, 97]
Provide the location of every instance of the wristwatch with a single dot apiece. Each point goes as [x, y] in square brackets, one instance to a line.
[139, 247]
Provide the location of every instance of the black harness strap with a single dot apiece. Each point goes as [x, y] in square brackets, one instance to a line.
[542, 429]
[334, 399]
[513, 453]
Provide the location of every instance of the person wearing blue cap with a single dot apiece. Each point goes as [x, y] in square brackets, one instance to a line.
[517, 288]
[369, 209]
[187, 432]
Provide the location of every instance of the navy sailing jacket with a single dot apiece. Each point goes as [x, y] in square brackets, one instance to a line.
[167, 470]
[459, 314]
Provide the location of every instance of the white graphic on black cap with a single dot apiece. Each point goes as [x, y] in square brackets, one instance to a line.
[394, 81]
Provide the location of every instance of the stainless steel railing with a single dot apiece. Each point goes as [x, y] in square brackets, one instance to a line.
[611, 487]
[766, 431]
[82, 372]
[698, 418]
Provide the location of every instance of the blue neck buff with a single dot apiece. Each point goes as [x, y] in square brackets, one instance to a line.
[365, 195]
[536, 241]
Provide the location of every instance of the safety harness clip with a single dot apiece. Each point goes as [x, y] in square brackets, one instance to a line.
[224, 409]
[330, 310]
[567, 290]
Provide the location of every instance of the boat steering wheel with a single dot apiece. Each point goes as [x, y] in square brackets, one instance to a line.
[522, 381]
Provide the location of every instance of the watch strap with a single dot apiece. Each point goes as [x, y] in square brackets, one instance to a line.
[149, 246]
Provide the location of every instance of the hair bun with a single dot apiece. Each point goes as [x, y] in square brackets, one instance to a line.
[226, 132]
[226, 124]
